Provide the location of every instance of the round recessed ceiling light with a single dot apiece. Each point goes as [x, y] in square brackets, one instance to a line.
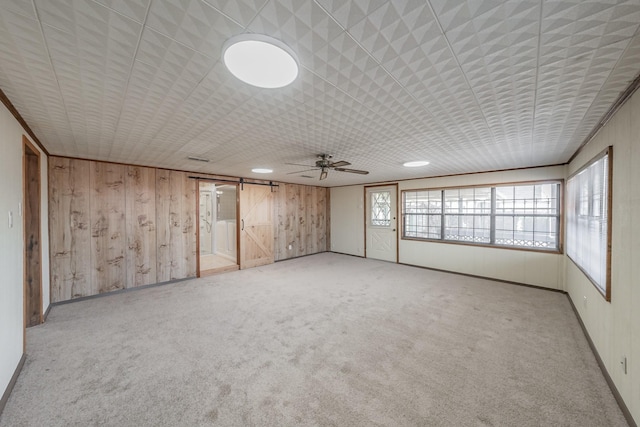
[260, 60]
[261, 170]
[415, 164]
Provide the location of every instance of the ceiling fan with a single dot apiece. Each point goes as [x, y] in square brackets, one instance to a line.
[324, 163]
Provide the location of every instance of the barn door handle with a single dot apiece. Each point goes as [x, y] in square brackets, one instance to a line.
[242, 228]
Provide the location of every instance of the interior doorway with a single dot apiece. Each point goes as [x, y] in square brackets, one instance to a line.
[381, 225]
[217, 228]
[32, 235]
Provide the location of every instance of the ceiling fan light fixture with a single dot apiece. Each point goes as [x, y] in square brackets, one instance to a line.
[415, 164]
[323, 174]
[261, 170]
[260, 60]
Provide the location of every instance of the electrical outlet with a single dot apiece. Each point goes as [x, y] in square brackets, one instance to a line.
[290, 247]
[10, 219]
[623, 364]
[584, 301]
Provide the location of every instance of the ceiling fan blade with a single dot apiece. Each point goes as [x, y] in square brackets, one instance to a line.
[306, 170]
[352, 171]
[340, 164]
[298, 164]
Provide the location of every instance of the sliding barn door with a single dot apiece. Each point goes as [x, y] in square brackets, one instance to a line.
[256, 226]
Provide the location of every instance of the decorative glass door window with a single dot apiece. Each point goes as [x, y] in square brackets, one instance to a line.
[381, 208]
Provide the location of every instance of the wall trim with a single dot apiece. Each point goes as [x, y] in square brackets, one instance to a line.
[299, 256]
[618, 103]
[212, 176]
[605, 373]
[12, 383]
[381, 183]
[119, 291]
[46, 313]
[475, 276]
[344, 253]
[7, 103]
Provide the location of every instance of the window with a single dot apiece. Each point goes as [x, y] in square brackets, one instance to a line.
[519, 216]
[422, 214]
[528, 215]
[588, 222]
[467, 215]
[381, 208]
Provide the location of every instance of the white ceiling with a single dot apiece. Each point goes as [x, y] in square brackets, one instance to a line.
[468, 85]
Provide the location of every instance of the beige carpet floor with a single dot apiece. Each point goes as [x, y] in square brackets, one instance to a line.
[324, 340]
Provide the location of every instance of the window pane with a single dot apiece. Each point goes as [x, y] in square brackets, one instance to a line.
[546, 199]
[523, 199]
[530, 218]
[381, 208]
[421, 212]
[504, 200]
[467, 228]
[587, 220]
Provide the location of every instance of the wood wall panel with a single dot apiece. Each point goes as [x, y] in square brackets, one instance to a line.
[108, 239]
[69, 228]
[189, 225]
[327, 219]
[319, 232]
[120, 226]
[163, 225]
[301, 220]
[140, 201]
[175, 222]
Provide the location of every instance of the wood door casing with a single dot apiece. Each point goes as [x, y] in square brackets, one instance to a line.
[256, 226]
[381, 239]
[32, 236]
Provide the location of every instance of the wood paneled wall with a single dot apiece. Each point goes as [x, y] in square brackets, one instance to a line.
[176, 216]
[69, 228]
[301, 220]
[107, 219]
[118, 226]
[140, 204]
[115, 226]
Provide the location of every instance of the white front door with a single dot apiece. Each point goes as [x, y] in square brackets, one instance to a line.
[381, 223]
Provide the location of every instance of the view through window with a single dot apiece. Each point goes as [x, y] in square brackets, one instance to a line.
[519, 215]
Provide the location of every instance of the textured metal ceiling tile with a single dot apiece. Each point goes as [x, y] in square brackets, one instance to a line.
[469, 85]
